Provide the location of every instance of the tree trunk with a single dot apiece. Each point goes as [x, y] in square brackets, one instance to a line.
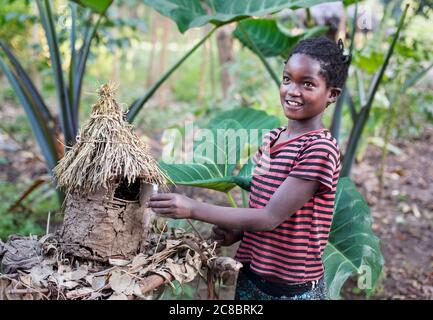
[225, 53]
[162, 93]
[153, 22]
[203, 67]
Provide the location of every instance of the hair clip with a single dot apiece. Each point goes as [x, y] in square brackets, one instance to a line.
[347, 58]
[340, 45]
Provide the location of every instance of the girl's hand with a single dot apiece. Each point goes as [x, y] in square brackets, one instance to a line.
[172, 205]
[226, 237]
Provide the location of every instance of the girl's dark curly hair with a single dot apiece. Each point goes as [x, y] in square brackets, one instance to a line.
[334, 63]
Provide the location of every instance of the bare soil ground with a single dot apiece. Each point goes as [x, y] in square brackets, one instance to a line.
[403, 216]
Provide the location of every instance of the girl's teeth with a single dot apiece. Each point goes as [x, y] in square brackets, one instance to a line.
[292, 103]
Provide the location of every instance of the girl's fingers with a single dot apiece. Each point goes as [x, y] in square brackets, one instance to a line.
[162, 196]
[160, 204]
[164, 211]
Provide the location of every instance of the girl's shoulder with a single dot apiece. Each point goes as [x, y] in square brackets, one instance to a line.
[314, 138]
[274, 132]
[322, 136]
[322, 141]
[270, 136]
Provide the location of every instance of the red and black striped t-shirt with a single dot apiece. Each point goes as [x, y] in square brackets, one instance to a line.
[292, 251]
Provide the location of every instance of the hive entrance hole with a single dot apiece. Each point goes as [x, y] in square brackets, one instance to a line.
[127, 191]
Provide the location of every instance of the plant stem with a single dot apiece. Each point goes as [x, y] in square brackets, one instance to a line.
[244, 198]
[310, 21]
[395, 103]
[338, 111]
[231, 200]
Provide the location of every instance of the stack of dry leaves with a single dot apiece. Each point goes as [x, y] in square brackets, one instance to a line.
[37, 269]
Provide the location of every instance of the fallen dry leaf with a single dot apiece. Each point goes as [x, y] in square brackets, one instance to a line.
[118, 262]
[119, 282]
[78, 293]
[98, 283]
[139, 260]
[172, 243]
[78, 274]
[120, 296]
[4, 284]
[39, 274]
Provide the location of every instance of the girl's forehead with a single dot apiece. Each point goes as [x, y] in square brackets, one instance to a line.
[302, 64]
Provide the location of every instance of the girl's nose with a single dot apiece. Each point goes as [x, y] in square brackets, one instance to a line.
[292, 90]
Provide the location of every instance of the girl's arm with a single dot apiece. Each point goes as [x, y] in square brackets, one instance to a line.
[292, 194]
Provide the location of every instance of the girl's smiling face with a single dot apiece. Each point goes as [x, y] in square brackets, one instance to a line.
[303, 91]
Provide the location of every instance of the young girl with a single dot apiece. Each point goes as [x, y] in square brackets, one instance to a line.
[286, 227]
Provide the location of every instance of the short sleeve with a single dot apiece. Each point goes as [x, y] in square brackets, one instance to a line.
[266, 142]
[257, 155]
[318, 161]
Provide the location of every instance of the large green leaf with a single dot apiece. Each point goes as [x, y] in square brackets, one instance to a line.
[99, 6]
[353, 248]
[196, 13]
[248, 119]
[30, 87]
[211, 167]
[69, 128]
[271, 38]
[78, 68]
[349, 2]
[218, 168]
[34, 113]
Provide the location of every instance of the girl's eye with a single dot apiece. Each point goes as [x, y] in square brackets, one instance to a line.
[308, 84]
[286, 79]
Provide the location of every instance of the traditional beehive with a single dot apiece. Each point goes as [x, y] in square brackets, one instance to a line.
[107, 175]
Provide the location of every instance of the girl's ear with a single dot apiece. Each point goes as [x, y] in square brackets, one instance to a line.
[334, 93]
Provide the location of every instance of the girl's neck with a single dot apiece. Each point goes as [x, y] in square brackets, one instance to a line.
[297, 127]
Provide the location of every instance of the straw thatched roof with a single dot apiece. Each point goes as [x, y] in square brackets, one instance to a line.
[107, 151]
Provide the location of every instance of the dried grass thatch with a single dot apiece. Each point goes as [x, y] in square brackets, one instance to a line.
[107, 151]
